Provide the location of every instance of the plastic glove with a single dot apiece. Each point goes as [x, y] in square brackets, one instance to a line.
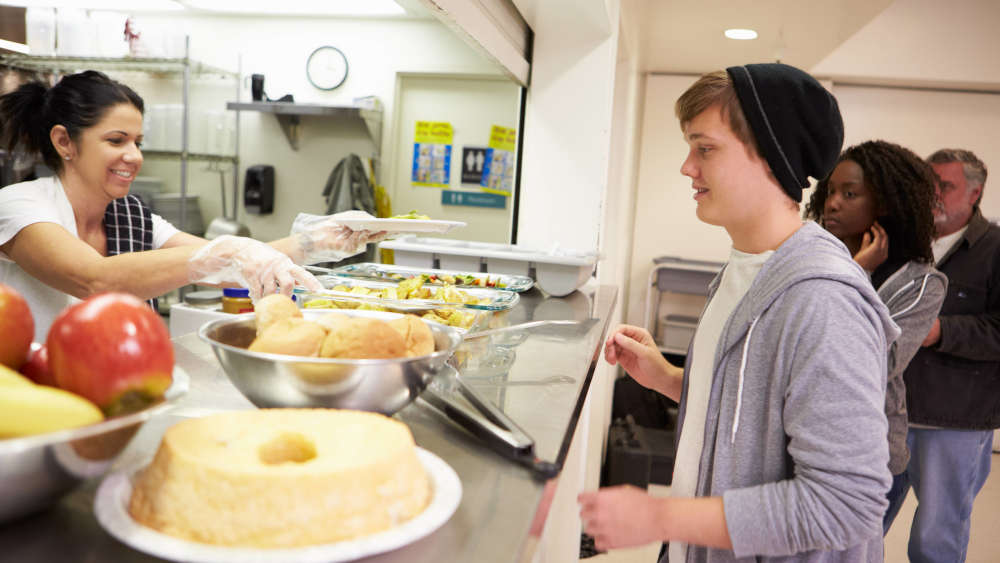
[321, 238]
[250, 264]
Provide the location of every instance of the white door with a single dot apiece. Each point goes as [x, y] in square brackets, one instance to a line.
[472, 106]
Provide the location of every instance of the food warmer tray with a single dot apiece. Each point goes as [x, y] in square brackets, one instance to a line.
[372, 270]
[496, 300]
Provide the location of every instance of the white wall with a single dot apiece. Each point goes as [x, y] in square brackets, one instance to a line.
[616, 234]
[376, 49]
[567, 126]
[925, 121]
[915, 41]
[564, 176]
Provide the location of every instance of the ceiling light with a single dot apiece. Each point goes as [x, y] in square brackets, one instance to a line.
[301, 7]
[12, 46]
[737, 33]
[118, 5]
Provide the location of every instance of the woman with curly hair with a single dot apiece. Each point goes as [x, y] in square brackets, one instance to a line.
[879, 202]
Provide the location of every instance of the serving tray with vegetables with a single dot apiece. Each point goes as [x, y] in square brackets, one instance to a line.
[413, 294]
[390, 272]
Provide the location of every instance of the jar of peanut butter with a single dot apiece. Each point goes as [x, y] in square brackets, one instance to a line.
[236, 300]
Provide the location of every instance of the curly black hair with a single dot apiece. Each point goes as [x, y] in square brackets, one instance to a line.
[903, 185]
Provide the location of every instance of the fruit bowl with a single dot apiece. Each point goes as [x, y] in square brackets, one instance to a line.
[278, 380]
[36, 471]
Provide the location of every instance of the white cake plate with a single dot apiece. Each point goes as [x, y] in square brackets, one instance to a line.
[111, 509]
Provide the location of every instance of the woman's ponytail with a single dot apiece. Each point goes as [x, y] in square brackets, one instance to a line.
[24, 122]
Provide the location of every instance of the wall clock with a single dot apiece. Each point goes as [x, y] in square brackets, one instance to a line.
[326, 68]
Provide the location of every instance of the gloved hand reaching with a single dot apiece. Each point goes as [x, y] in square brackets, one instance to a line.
[321, 238]
[249, 263]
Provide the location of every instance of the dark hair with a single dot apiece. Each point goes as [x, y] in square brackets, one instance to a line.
[903, 186]
[76, 102]
[972, 167]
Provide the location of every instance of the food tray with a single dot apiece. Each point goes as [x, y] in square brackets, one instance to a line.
[389, 272]
[490, 299]
[474, 319]
[557, 271]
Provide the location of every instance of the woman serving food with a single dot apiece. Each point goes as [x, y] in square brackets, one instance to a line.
[79, 232]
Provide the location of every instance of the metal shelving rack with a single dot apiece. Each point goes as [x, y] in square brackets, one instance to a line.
[366, 110]
[671, 274]
[183, 67]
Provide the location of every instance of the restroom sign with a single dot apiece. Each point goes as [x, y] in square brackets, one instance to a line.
[473, 161]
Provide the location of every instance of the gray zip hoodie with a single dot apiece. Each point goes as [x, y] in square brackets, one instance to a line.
[795, 435]
[913, 294]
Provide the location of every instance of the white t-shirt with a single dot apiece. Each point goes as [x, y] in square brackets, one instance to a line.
[942, 245]
[44, 201]
[736, 279]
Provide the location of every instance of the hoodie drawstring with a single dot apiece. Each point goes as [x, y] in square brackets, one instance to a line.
[739, 387]
[917, 300]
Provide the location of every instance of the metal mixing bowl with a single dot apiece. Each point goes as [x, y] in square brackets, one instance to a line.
[35, 471]
[278, 380]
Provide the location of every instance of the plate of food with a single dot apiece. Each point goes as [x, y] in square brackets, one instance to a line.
[412, 222]
[276, 500]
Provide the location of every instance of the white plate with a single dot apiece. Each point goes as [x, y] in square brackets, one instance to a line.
[401, 225]
[111, 509]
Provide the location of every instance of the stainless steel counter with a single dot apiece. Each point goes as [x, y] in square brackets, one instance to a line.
[538, 377]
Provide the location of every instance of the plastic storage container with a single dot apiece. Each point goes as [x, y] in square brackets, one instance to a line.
[205, 299]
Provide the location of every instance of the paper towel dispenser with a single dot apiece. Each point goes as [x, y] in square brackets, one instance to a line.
[258, 189]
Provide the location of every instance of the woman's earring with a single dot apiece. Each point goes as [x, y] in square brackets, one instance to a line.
[67, 157]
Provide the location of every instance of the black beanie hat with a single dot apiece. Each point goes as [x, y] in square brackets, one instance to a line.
[795, 121]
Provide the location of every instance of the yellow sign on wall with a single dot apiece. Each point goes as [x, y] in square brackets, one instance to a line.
[432, 142]
[503, 138]
[498, 174]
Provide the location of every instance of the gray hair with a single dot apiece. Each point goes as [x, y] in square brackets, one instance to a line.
[974, 169]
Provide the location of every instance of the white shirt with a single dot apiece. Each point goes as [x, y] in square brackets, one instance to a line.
[44, 201]
[736, 280]
[942, 245]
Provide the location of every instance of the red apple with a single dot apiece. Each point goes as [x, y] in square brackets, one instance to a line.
[17, 327]
[113, 350]
[37, 366]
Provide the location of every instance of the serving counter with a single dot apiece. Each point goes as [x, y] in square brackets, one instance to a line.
[538, 376]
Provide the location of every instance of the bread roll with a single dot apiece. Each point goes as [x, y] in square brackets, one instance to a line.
[363, 338]
[416, 333]
[292, 336]
[331, 320]
[274, 308]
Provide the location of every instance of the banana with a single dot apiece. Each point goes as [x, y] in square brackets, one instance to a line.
[37, 409]
[11, 377]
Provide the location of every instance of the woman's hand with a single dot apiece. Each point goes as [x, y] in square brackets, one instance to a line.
[621, 517]
[323, 238]
[874, 248]
[250, 264]
[634, 349]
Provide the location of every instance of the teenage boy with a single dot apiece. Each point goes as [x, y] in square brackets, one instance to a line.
[782, 452]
